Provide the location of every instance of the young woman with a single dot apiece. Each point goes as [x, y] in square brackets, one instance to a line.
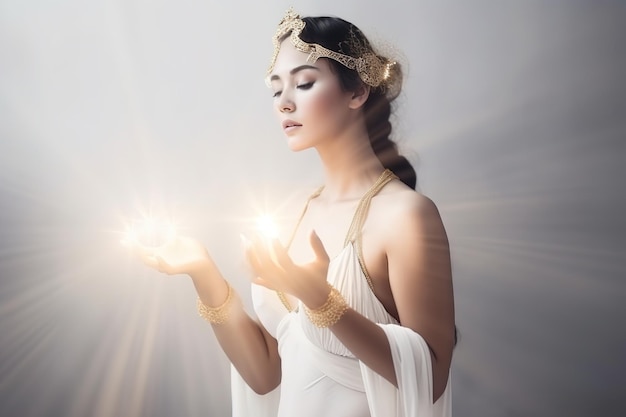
[356, 312]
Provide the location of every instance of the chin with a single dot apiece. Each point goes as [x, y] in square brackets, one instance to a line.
[296, 145]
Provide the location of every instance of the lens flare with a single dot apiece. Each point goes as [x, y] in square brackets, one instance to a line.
[150, 231]
[267, 226]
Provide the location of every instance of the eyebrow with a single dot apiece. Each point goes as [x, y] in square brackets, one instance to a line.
[295, 70]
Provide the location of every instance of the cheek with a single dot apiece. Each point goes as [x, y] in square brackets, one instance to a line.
[322, 104]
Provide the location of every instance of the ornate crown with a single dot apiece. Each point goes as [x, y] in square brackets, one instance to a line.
[372, 69]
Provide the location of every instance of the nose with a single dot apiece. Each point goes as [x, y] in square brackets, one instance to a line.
[285, 104]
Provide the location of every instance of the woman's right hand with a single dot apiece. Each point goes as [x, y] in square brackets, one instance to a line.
[181, 255]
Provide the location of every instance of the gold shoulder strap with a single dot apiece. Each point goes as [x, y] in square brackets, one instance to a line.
[317, 192]
[306, 207]
[360, 215]
[354, 232]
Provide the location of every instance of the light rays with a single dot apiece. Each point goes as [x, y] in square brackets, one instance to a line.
[132, 345]
[523, 155]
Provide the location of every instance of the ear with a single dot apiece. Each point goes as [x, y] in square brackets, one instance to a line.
[359, 96]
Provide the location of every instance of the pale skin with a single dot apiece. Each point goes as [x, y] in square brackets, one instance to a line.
[405, 246]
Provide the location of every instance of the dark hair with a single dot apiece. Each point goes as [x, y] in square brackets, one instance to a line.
[342, 36]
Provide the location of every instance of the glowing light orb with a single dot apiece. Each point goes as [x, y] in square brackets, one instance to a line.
[267, 226]
[151, 231]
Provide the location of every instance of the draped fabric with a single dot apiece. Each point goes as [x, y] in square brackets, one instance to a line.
[320, 376]
[413, 397]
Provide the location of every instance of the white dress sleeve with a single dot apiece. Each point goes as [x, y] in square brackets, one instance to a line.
[412, 363]
[245, 402]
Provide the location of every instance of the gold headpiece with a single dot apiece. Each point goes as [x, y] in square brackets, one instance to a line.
[373, 70]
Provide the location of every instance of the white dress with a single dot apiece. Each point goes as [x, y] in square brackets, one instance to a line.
[321, 377]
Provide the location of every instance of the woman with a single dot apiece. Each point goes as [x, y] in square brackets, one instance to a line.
[356, 313]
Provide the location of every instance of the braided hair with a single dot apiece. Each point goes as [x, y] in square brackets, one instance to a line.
[342, 36]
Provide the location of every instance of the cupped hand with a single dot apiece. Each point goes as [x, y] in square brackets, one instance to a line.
[181, 255]
[275, 269]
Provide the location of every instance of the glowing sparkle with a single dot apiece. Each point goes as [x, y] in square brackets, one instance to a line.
[267, 226]
[151, 231]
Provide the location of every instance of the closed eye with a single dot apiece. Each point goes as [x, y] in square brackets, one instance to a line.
[305, 86]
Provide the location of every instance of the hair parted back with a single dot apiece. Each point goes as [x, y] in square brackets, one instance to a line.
[342, 36]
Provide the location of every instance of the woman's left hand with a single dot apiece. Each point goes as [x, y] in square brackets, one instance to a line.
[275, 270]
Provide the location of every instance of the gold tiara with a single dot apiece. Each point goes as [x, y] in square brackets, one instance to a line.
[372, 69]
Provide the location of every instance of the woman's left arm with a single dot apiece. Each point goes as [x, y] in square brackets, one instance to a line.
[420, 278]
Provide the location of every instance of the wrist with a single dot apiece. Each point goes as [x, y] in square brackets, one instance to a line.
[330, 311]
[218, 314]
[205, 271]
[316, 295]
[210, 285]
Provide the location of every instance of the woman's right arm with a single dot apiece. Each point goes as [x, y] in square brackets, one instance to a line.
[248, 345]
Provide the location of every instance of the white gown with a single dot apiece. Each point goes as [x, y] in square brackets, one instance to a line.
[321, 377]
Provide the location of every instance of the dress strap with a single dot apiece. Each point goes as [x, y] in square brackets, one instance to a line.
[354, 232]
[306, 207]
[360, 215]
[317, 192]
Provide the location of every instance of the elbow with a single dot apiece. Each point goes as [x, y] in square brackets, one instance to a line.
[439, 389]
[264, 384]
[441, 373]
[263, 388]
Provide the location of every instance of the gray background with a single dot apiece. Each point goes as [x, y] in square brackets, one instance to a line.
[513, 112]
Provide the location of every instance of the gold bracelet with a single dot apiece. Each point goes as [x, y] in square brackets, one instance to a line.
[216, 315]
[330, 312]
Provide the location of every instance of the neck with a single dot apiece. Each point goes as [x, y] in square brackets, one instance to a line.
[350, 167]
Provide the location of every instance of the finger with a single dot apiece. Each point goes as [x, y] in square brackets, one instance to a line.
[318, 247]
[151, 261]
[163, 266]
[149, 256]
[260, 249]
[268, 267]
[282, 257]
[155, 262]
[251, 257]
[262, 282]
[143, 251]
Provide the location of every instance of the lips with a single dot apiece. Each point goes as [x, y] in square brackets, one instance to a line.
[290, 124]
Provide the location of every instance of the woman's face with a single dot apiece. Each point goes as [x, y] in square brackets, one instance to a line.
[308, 99]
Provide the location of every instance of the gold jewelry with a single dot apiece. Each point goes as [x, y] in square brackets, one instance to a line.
[285, 301]
[216, 315]
[281, 295]
[330, 312]
[354, 232]
[372, 69]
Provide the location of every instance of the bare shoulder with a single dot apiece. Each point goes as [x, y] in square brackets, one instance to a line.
[402, 203]
[408, 214]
